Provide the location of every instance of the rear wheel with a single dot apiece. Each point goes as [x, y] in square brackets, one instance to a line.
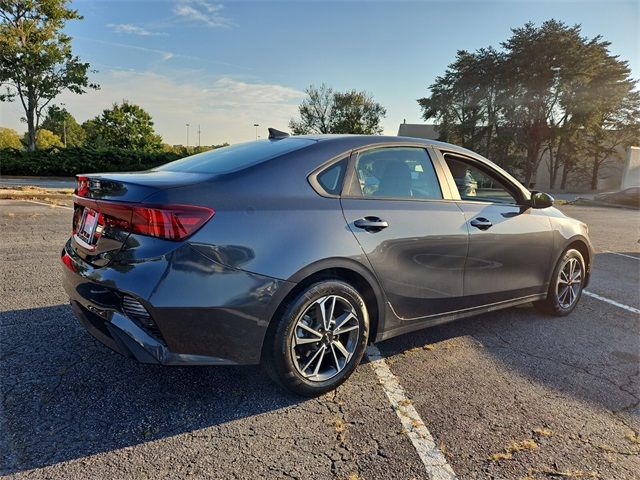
[566, 285]
[319, 339]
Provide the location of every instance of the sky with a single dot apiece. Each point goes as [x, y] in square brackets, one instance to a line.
[227, 65]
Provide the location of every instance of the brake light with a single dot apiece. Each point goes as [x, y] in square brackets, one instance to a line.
[66, 259]
[82, 186]
[171, 222]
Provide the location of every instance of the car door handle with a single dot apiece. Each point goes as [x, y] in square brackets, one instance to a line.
[371, 224]
[481, 223]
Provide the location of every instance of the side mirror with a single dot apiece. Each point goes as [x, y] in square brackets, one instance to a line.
[540, 200]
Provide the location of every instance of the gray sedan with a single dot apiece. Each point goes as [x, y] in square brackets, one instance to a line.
[296, 252]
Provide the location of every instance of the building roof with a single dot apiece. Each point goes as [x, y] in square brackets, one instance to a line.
[418, 130]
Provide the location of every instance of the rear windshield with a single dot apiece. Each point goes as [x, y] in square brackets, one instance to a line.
[236, 157]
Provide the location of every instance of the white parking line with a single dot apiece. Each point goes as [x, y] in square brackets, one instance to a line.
[611, 302]
[621, 254]
[433, 459]
[47, 204]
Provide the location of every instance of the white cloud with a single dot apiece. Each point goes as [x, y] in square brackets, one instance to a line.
[131, 29]
[225, 108]
[202, 12]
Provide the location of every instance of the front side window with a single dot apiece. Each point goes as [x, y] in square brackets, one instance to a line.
[477, 185]
[397, 172]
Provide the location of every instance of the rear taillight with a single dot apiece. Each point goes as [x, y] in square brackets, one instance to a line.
[170, 222]
[82, 186]
[66, 259]
[173, 223]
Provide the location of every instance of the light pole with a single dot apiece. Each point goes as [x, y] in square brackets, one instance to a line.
[256, 125]
[198, 135]
[187, 125]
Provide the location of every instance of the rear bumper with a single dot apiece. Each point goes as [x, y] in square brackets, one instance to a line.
[124, 336]
[205, 313]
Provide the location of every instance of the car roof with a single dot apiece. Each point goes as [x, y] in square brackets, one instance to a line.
[364, 140]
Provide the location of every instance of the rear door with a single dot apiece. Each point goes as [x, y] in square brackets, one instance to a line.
[510, 244]
[415, 241]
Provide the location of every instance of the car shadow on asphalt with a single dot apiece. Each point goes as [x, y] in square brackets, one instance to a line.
[66, 396]
[592, 354]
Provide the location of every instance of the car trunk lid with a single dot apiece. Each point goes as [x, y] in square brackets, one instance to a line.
[109, 207]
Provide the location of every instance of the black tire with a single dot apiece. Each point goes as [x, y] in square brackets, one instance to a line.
[278, 353]
[553, 305]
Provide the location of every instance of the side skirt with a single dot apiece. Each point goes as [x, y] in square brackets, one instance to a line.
[439, 319]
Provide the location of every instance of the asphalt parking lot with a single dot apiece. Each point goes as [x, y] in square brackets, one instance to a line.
[506, 395]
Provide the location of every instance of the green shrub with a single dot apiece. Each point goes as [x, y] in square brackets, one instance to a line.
[67, 162]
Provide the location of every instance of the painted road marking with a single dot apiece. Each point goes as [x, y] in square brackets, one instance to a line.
[46, 204]
[621, 254]
[612, 302]
[433, 459]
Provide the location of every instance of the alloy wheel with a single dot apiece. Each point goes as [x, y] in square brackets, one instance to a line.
[325, 338]
[569, 283]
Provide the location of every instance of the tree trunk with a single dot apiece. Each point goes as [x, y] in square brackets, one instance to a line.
[553, 170]
[31, 122]
[31, 131]
[565, 173]
[594, 174]
[533, 150]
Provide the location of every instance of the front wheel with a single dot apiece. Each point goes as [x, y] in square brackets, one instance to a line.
[566, 285]
[319, 339]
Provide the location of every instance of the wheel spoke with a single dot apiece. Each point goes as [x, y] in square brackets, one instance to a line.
[344, 318]
[571, 295]
[340, 347]
[315, 355]
[333, 307]
[309, 329]
[572, 267]
[341, 330]
[562, 295]
[324, 315]
[323, 351]
[305, 341]
[335, 358]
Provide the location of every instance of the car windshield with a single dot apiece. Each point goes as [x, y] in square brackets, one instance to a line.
[236, 157]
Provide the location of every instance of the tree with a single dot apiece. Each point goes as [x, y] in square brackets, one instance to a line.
[37, 63]
[356, 112]
[62, 123]
[468, 100]
[535, 97]
[125, 126]
[327, 111]
[610, 132]
[316, 111]
[45, 139]
[9, 139]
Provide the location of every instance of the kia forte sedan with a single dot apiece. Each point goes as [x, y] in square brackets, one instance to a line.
[296, 252]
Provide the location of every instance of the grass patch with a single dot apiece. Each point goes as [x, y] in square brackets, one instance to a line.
[507, 453]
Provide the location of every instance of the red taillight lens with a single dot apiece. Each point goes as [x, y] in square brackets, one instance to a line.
[66, 259]
[82, 186]
[171, 222]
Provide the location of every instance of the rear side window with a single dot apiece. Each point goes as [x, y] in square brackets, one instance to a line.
[236, 157]
[331, 178]
[397, 172]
